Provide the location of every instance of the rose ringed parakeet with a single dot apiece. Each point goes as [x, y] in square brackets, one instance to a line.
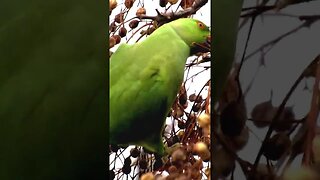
[144, 80]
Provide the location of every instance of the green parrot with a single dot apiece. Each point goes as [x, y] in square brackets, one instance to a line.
[53, 90]
[144, 81]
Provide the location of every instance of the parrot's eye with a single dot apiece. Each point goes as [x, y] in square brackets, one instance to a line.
[201, 25]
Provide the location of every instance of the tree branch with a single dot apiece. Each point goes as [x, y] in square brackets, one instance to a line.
[163, 18]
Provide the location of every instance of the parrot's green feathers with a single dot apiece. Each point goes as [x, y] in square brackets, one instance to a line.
[144, 80]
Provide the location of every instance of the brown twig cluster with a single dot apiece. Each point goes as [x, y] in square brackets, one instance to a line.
[286, 137]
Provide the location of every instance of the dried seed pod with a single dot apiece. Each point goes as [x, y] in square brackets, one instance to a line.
[182, 177]
[185, 106]
[173, 1]
[179, 113]
[233, 118]
[187, 165]
[198, 164]
[122, 32]
[276, 146]
[112, 42]
[195, 175]
[172, 176]
[262, 114]
[112, 4]
[143, 164]
[192, 97]
[141, 11]
[148, 176]
[199, 99]
[127, 161]
[119, 18]
[134, 152]
[172, 169]
[204, 120]
[240, 141]
[128, 3]
[190, 148]
[206, 156]
[183, 98]
[180, 134]
[201, 149]
[181, 124]
[112, 27]
[163, 3]
[133, 24]
[196, 107]
[117, 38]
[186, 3]
[178, 155]
[126, 169]
[223, 162]
[285, 120]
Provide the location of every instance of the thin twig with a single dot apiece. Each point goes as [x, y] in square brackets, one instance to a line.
[279, 111]
[309, 21]
[243, 56]
[312, 118]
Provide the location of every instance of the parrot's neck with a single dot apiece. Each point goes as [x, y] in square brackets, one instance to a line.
[183, 36]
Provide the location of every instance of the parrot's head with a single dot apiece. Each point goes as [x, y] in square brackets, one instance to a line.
[191, 30]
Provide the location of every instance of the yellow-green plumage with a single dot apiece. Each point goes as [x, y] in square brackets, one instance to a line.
[144, 80]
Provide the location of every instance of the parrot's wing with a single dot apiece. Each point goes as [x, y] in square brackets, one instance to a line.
[144, 80]
[53, 90]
